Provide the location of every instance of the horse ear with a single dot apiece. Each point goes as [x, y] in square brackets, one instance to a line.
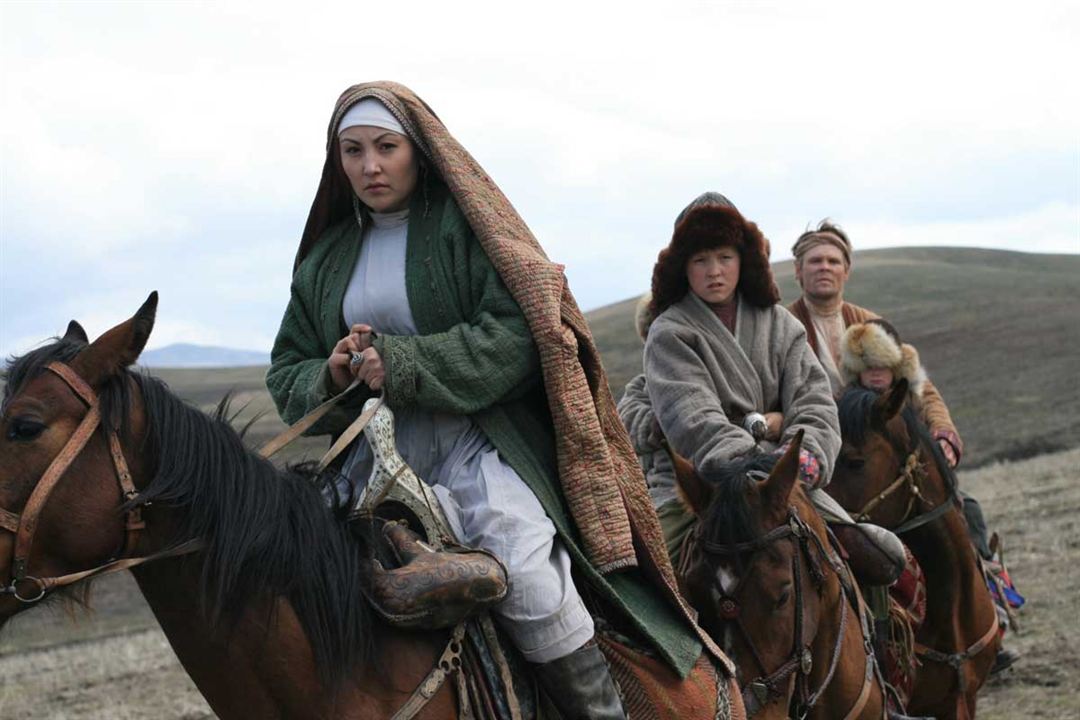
[694, 491]
[776, 490]
[119, 347]
[75, 333]
[890, 403]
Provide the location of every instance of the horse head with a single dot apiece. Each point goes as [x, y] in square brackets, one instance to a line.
[876, 472]
[59, 492]
[754, 573]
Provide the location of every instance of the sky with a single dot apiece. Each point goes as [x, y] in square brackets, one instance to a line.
[177, 146]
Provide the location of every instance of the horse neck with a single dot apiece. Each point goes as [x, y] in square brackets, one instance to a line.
[263, 667]
[846, 684]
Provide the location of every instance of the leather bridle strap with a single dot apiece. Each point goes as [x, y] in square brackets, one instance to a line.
[24, 525]
[24, 535]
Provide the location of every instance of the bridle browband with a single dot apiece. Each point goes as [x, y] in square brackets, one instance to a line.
[768, 687]
[24, 525]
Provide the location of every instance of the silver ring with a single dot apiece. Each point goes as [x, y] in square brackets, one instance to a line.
[355, 359]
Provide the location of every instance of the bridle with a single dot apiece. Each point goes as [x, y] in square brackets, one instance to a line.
[769, 686]
[29, 588]
[912, 480]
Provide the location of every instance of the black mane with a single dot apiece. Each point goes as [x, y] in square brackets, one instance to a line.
[267, 532]
[855, 409]
[729, 518]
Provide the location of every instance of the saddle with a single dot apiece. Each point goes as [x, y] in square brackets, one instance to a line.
[437, 582]
[433, 589]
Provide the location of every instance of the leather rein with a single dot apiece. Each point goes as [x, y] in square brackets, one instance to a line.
[768, 687]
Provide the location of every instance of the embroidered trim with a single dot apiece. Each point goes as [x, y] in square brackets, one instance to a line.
[400, 361]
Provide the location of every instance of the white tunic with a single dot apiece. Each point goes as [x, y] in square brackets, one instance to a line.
[489, 504]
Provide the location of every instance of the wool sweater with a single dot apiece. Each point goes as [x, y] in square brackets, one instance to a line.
[474, 355]
[932, 406]
[703, 380]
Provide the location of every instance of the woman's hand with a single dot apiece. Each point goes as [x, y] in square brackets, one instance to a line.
[342, 367]
[774, 423]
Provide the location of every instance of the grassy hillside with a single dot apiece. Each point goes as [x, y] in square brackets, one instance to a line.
[998, 332]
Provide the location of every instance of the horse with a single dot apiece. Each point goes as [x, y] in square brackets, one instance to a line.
[248, 614]
[890, 472]
[260, 588]
[759, 567]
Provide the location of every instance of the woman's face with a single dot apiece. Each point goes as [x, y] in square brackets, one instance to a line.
[382, 166]
[878, 379]
[714, 274]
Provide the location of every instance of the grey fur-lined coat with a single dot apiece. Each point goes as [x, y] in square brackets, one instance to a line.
[703, 381]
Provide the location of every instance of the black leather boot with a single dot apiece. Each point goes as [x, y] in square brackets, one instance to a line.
[580, 687]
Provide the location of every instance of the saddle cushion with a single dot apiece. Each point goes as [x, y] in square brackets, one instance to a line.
[650, 690]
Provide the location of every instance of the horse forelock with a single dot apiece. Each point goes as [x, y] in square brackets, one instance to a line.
[730, 517]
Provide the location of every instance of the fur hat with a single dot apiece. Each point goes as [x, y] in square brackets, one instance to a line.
[643, 319]
[711, 221]
[872, 345]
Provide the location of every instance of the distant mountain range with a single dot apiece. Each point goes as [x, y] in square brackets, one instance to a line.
[183, 355]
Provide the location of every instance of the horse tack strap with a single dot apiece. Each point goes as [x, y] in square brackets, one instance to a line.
[9, 520]
[24, 536]
[448, 662]
[76, 383]
[956, 660]
[297, 429]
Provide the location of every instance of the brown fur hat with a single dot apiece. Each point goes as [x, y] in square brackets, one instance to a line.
[711, 221]
[876, 344]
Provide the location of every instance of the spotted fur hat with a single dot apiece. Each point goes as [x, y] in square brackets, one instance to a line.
[876, 344]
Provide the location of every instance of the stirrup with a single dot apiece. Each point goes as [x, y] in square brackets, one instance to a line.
[434, 589]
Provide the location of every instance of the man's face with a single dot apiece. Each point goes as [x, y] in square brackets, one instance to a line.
[822, 273]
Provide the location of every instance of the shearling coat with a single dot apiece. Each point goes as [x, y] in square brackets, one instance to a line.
[932, 408]
[703, 380]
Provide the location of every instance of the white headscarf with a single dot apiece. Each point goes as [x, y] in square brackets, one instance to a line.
[370, 111]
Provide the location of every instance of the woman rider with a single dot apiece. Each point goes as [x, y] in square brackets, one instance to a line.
[416, 276]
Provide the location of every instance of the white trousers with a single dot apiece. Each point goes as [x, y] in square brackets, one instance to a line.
[492, 508]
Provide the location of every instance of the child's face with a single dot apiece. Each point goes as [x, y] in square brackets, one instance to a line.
[879, 379]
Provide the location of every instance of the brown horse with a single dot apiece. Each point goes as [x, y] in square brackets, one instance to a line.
[891, 473]
[761, 570]
[255, 582]
[249, 615]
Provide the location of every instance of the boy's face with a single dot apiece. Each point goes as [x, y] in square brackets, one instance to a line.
[879, 379]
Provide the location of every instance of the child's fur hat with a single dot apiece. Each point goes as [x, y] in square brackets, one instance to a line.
[876, 344]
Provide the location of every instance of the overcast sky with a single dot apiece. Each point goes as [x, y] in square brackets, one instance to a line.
[177, 146]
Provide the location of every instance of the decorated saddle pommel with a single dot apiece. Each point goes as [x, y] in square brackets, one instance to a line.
[434, 588]
[438, 581]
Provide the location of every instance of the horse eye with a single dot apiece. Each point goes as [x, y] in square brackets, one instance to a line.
[782, 601]
[24, 429]
[855, 463]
